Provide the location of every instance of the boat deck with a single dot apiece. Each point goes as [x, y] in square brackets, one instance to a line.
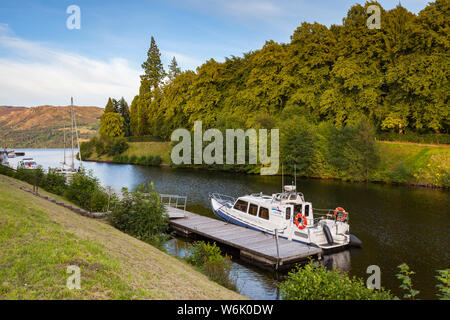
[254, 247]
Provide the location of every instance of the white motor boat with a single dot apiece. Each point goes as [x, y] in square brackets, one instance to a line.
[27, 163]
[288, 215]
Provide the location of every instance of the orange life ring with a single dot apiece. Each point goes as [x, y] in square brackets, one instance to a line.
[339, 217]
[303, 223]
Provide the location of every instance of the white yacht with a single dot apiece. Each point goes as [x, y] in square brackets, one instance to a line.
[288, 215]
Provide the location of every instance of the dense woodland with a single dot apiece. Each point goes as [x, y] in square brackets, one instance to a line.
[393, 79]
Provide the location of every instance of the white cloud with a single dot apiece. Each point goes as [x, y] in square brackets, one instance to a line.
[184, 62]
[33, 73]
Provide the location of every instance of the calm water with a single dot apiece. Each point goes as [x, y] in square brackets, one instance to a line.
[396, 224]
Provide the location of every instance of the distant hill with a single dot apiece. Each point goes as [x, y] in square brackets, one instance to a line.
[42, 126]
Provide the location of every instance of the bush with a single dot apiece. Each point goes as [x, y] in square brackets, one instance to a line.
[117, 146]
[85, 190]
[141, 214]
[444, 284]
[315, 282]
[209, 259]
[156, 161]
[133, 159]
[142, 160]
[123, 159]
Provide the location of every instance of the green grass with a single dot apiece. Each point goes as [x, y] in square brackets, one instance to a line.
[40, 239]
[36, 253]
[139, 149]
[413, 163]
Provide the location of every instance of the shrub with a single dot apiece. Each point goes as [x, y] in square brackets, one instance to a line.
[405, 276]
[444, 284]
[55, 182]
[124, 158]
[141, 214]
[315, 282]
[85, 190]
[149, 161]
[142, 160]
[117, 146]
[117, 158]
[209, 259]
[86, 149]
[133, 159]
[156, 161]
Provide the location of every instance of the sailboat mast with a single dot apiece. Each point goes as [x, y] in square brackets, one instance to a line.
[71, 117]
[78, 139]
[64, 144]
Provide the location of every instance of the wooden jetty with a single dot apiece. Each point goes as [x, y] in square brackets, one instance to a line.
[263, 250]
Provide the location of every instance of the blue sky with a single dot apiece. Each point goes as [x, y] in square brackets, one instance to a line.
[43, 62]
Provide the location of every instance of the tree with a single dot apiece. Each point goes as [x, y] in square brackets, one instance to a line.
[111, 106]
[124, 111]
[174, 70]
[134, 116]
[153, 68]
[111, 125]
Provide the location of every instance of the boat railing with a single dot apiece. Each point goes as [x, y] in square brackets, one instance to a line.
[222, 198]
[320, 214]
[174, 201]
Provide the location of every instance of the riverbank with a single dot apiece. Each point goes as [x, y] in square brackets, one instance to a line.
[41, 239]
[403, 163]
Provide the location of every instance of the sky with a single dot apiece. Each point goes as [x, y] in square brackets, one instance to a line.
[42, 61]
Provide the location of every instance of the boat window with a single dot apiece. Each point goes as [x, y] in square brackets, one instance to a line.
[241, 205]
[288, 213]
[264, 213]
[293, 197]
[253, 209]
[307, 210]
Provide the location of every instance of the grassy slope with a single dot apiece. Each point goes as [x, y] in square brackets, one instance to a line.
[400, 162]
[40, 239]
[413, 163]
[144, 149]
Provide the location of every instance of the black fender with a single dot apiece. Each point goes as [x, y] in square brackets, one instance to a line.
[328, 235]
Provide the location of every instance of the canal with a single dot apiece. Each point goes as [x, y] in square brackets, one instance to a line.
[396, 224]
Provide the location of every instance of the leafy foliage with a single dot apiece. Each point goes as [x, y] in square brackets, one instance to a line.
[85, 190]
[444, 284]
[405, 276]
[397, 77]
[315, 282]
[209, 259]
[141, 214]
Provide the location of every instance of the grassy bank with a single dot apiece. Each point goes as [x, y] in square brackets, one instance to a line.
[399, 162]
[139, 149]
[39, 239]
[426, 165]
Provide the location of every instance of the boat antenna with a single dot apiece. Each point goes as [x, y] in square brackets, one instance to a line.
[295, 176]
[282, 177]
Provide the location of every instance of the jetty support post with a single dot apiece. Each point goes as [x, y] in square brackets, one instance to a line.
[278, 249]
